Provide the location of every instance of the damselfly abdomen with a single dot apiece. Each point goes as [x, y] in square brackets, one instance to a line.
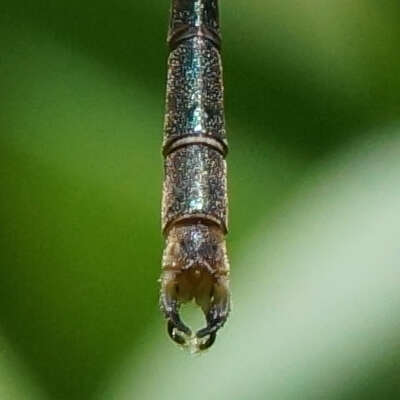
[194, 209]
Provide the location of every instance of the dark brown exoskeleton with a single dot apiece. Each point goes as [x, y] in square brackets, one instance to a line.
[194, 208]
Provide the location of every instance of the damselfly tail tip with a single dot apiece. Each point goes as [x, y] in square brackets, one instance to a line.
[216, 311]
[195, 267]
[194, 343]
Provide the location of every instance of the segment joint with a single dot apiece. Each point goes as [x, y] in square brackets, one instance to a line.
[186, 32]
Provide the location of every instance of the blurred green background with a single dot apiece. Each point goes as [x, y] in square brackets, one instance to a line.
[312, 92]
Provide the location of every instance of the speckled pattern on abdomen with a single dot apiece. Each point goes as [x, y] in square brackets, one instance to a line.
[194, 104]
